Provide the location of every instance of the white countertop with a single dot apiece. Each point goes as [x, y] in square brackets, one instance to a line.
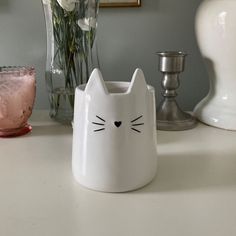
[194, 192]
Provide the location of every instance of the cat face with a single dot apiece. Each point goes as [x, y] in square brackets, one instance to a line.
[119, 107]
[133, 124]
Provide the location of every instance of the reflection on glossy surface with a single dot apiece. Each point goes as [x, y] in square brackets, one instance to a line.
[216, 34]
[222, 22]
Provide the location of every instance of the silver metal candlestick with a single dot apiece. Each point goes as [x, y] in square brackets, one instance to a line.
[169, 114]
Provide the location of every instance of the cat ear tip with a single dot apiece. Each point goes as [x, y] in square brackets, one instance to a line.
[138, 81]
[138, 70]
[96, 82]
[95, 74]
[95, 71]
[138, 73]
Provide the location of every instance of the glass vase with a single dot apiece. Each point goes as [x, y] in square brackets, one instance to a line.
[71, 51]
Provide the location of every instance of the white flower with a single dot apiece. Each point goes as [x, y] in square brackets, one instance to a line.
[68, 5]
[46, 2]
[87, 23]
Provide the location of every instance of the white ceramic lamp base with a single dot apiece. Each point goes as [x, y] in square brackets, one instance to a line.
[213, 113]
[216, 34]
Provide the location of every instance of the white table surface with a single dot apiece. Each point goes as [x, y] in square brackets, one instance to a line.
[194, 192]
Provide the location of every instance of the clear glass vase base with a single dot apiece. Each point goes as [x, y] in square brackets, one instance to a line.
[62, 104]
[63, 117]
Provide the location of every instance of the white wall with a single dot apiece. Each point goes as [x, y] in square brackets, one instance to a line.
[127, 38]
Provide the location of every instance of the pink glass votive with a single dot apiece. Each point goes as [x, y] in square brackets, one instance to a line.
[17, 95]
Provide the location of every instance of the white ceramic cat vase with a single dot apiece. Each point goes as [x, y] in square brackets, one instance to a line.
[114, 134]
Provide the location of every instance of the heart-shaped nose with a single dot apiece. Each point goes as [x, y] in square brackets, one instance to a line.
[117, 123]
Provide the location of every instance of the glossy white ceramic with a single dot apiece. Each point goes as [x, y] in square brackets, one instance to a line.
[216, 35]
[114, 134]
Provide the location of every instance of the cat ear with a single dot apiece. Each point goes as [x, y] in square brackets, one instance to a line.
[138, 83]
[96, 83]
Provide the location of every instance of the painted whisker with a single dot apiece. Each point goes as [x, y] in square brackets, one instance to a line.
[138, 124]
[96, 130]
[100, 118]
[136, 119]
[95, 123]
[136, 130]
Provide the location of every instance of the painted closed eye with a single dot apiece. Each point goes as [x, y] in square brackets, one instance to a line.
[99, 123]
[136, 124]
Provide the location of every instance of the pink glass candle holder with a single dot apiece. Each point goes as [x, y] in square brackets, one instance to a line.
[17, 95]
